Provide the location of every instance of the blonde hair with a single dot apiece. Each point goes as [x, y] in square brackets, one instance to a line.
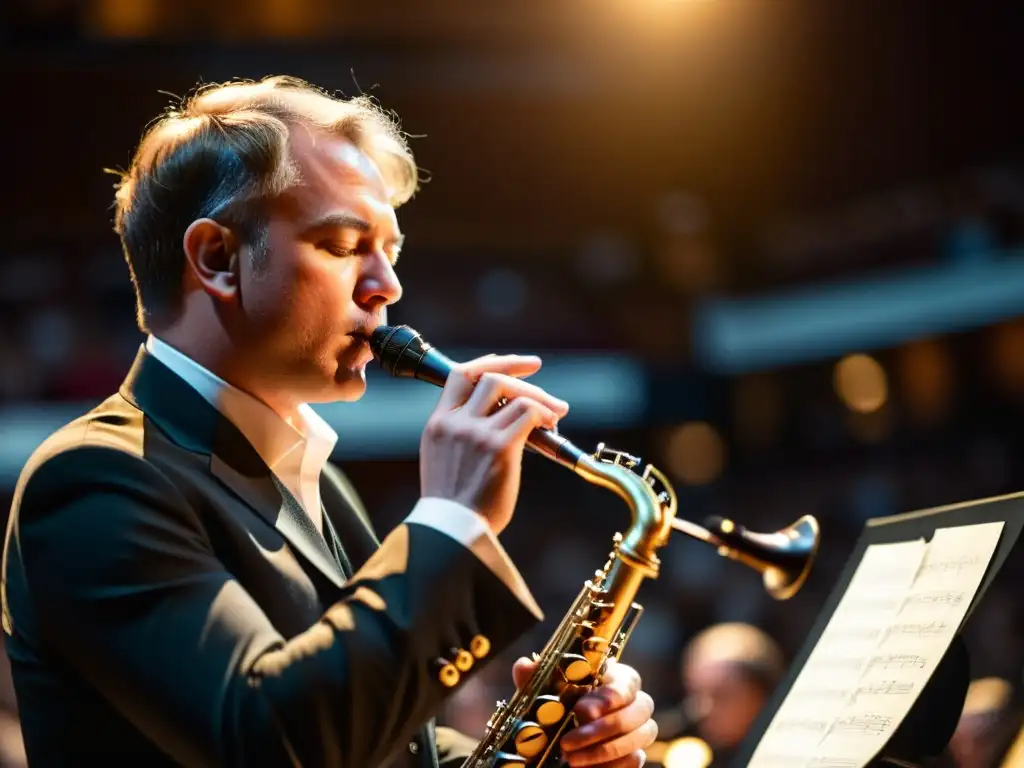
[223, 153]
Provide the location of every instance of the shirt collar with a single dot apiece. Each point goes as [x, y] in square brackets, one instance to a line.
[273, 437]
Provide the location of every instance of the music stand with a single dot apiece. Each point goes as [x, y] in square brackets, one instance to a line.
[926, 730]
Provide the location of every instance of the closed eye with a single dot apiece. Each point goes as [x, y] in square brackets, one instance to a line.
[337, 250]
[393, 251]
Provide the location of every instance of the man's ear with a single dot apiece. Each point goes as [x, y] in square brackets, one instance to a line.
[211, 251]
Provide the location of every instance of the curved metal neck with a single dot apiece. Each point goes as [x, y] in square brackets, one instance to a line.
[652, 509]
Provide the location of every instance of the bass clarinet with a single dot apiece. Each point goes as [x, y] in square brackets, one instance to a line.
[525, 730]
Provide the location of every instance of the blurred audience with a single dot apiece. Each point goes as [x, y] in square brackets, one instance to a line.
[75, 346]
[12, 748]
[989, 724]
[728, 673]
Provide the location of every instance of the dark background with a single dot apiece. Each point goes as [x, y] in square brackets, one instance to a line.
[601, 174]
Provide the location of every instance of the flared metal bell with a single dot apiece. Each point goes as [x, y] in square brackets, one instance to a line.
[784, 558]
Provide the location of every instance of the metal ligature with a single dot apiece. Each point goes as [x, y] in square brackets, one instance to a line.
[525, 730]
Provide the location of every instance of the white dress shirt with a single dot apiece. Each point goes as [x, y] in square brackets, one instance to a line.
[297, 450]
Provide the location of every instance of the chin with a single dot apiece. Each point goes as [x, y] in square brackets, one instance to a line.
[349, 384]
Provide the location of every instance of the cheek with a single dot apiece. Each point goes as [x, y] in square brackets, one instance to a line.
[322, 292]
[268, 285]
[302, 293]
[262, 298]
[318, 305]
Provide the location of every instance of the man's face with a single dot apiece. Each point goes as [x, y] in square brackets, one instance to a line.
[723, 701]
[326, 277]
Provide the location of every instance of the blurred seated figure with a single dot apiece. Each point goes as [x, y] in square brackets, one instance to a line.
[989, 723]
[12, 746]
[729, 671]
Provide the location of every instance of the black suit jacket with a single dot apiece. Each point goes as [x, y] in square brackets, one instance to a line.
[166, 601]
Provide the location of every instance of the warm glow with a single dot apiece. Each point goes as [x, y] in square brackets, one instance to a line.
[703, 28]
[125, 18]
[1006, 344]
[758, 405]
[687, 752]
[289, 18]
[696, 453]
[861, 383]
[926, 378]
[688, 263]
[871, 427]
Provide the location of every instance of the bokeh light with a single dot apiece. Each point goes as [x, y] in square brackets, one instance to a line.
[696, 452]
[861, 383]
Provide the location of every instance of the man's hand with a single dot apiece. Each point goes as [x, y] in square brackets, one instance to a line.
[615, 720]
[472, 452]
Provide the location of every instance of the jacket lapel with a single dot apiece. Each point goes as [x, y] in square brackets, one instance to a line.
[344, 510]
[277, 506]
[338, 551]
[190, 421]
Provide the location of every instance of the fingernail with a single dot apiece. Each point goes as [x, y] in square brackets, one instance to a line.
[584, 731]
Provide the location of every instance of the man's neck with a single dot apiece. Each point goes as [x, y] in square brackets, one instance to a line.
[223, 362]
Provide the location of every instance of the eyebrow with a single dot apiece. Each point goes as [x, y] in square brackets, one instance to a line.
[349, 221]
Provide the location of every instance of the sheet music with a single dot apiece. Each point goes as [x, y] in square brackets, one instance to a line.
[899, 615]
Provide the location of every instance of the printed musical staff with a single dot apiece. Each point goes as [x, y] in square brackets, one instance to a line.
[855, 632]
[865, 724]
[804, 724]
[898, 661]
[885, 688]
[871, 605]
[956, 564]
[936, 627]
[879, 688]
[862, 632]
[945, 597]
[898, 616]
[793, 760]
[839, 662]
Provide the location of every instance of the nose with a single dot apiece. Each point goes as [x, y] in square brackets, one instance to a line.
[378, 285]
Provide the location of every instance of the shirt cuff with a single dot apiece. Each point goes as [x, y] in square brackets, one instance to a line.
[470, 529]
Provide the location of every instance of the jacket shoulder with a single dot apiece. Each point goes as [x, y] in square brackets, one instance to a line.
[113, 424]
[89, 449]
